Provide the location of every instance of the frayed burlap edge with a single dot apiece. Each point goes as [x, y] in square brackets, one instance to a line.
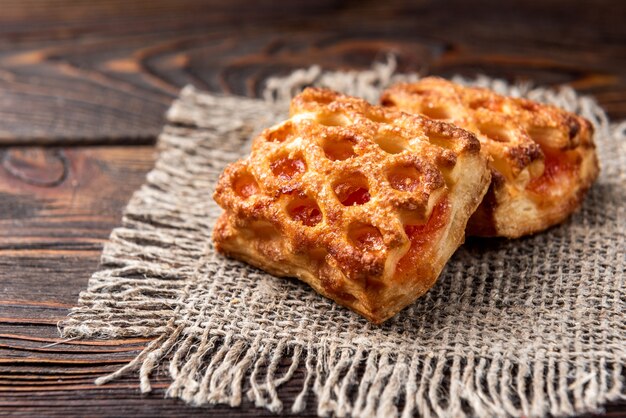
[209, 364]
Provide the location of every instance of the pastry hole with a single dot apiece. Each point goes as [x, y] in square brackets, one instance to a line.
[323, 99]
[333, 119]
[339, 150]
[479, 104]
[574, 127]
[304, 210]
[405, 179]
[280, 133]
[365, 237]
[419, 91]
[286, 168]
[441, 140]
[378, 117]
[528, 105]
[436, 112]
[352, 190]
[392, 144]
[494, 132]
[387, 102]
[245, 185]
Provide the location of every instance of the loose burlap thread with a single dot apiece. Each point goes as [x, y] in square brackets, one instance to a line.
[531, 327]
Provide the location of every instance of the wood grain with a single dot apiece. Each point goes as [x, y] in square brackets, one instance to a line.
[64, 200]
[103, 72]
[97, 72]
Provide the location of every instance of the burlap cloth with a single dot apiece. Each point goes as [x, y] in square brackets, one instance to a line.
[533, 326]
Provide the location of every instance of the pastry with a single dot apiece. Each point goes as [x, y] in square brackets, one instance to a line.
[543, 158]
[363, 203]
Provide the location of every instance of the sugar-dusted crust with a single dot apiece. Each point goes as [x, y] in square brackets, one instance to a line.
[363, 203]
[543, 158]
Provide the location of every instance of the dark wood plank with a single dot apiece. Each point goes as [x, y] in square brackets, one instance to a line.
[57, 206]
[97, 72]
[103, 72]
[65, 199]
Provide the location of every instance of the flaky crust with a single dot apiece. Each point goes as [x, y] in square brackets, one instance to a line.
[363, 203]
[543, 158]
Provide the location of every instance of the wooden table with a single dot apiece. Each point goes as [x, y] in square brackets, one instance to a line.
[83, 89]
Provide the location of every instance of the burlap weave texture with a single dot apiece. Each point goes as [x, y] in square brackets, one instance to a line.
[533, 326]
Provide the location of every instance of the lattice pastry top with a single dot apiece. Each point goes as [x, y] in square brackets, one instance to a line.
[543, 158]
[365, 204]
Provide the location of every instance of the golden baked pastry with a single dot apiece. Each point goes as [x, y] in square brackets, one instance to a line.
[365, 204]
[543, 158]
